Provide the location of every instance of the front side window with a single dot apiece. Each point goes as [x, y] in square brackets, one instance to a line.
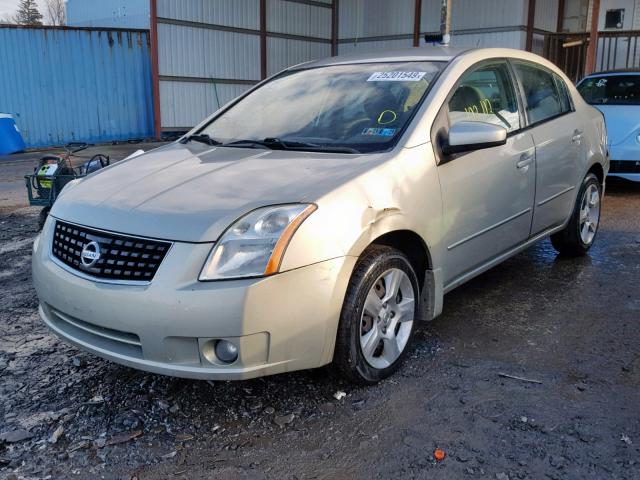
[541, 92]
[363, 107]
[486, 95]
[611, 90]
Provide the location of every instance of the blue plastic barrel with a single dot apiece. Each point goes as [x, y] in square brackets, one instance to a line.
[10, 139]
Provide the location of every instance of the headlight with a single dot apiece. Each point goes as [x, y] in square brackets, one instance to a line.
[255, 244]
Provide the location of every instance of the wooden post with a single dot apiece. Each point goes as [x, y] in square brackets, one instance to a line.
[531, 17]
[416, 23]
[592, 50]
[155, 75]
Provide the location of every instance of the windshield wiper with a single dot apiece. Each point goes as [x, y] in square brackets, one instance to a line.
[202, 138]
[278, 144]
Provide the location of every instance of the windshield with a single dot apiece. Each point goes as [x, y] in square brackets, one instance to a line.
[611, 90]
[359, 108]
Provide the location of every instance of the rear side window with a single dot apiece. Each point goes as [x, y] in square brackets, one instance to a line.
[563, 91]
[544, 100]
[486, 95]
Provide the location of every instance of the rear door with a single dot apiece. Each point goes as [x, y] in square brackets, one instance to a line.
[557, 133]
[487, 194]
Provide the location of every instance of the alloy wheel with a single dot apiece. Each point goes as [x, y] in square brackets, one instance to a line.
[387, 318]
[589, 214]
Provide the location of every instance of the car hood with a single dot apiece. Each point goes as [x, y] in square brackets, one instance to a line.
[193, 192]
[622, 121]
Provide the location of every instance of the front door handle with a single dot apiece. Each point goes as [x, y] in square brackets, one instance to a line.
[577, 136]
[525, 160]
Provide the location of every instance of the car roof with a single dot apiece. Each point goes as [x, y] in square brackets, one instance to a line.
[622, 71]
[436, 53]
[431, 53]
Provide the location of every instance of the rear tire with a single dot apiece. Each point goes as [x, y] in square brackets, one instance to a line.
[579, 234]
[378, 316]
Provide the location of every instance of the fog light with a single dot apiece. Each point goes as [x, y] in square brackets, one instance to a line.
[226, 351]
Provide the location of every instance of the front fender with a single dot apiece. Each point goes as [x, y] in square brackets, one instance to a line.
[400, 194]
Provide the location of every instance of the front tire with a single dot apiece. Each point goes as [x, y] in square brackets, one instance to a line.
[579, 234]
[378, 316]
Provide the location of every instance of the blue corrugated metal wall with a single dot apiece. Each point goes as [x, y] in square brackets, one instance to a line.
[71, 84]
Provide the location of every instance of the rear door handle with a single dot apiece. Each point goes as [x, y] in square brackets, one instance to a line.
[577, 136]
[525, 160]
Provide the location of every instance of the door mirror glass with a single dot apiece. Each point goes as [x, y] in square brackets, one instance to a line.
[468, 136]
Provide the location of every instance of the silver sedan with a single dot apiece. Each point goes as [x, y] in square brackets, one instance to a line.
[319, 217]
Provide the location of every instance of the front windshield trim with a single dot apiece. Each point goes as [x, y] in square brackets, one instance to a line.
[391, 145]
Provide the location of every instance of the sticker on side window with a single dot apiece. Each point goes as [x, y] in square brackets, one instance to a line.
[396, 76]
[602, 82]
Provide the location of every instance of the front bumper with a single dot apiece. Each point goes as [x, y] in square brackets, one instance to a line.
[625, 161]
[280, 323]
[629, 169]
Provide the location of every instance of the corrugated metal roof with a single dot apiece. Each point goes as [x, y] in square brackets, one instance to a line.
[183, 104]
[546, 17]
[373, 18]
[283, 53]
[187, 51]
[506, 39]
[298, 19]
[373, 46]
[76, 84]
[473, 14]
[232, 13]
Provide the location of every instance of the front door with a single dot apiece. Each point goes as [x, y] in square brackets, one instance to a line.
[487, 194]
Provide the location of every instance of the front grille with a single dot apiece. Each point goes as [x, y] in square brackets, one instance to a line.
[121, 257]
[624, 166]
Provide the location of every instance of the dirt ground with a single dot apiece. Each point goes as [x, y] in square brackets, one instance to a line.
[569, 326]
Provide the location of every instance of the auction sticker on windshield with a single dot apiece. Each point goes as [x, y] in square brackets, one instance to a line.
[396, 76]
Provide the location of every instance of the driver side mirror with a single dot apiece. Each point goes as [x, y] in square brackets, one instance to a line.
[469, 136]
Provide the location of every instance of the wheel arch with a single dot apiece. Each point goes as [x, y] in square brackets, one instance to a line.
[412, 245]
[598, 170]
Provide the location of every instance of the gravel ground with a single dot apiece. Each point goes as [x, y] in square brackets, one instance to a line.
[568, 328]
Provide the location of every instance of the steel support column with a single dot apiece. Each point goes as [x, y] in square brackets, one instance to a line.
[560, 24]
[263, 39]
[155, 76]
[334, 27]
[531, 17]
